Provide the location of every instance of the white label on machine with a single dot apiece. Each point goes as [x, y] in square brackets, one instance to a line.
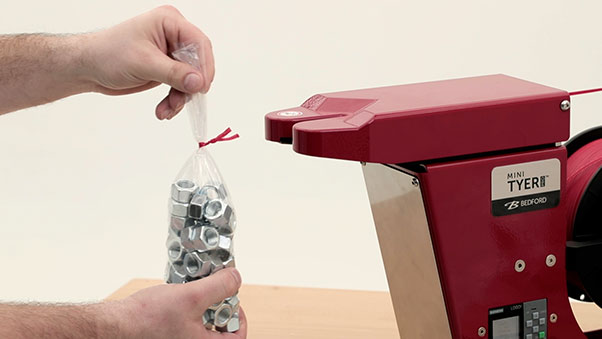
[525, 187]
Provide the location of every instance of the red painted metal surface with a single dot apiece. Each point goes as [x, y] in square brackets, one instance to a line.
[476, 251]
[432, 120]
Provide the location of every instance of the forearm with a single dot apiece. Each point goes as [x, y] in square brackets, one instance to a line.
[58, 321]
[38, 68]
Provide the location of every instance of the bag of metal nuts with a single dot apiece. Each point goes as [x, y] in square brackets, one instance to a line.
[202, 220]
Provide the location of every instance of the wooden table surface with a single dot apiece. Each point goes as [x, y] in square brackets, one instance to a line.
[314, 313]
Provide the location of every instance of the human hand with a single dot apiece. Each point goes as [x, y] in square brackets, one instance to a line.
[176, 310]
[134, 56]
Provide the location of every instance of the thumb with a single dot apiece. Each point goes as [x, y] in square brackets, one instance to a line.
[214, 288]
[176, 74]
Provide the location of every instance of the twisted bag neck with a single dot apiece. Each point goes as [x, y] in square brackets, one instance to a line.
[220, 137]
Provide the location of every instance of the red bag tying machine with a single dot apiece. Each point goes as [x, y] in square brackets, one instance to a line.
[484, 230]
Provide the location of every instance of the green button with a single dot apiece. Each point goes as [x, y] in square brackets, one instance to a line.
[542, 335]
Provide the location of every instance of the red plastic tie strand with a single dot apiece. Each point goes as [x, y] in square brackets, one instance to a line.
[221, 137]
[585, 91]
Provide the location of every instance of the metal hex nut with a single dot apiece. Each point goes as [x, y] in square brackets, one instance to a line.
[197, 264]
[223, 314]
[218, 213]
[225, 244]
[178, 266]
[229, 262]
[216, 264]
[208, 318]
[224, 247]
[233, 325]
[200, 238]
[178, 209]
[174, 249]
[177, 224]
[212, 192]
[183, 189]
[173, 276]
[208, 238]
[229, 227]
[185, 238]
[234, 302]
[197, 206]
[215, 306]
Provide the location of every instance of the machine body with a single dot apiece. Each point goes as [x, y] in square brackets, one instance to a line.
[467, 184]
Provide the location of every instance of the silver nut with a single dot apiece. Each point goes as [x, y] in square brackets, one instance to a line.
[197, 264]
[233, 325]
[208, 318]
[228, 228]
[224, 247]
[171, 236]
[223, 314]
[216, 264]
[229, 262]
[208, 238]
[212, 192]
[234, 302]
[174, 249]
[178, 209]
[183, 189]
[216, 306]
[177, 224]
[178, 266]
[185, 238]
[197, 206]
[173, 276]
[200, 238]
[218, 213]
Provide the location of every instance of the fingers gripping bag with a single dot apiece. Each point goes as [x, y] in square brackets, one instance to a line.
[201, 216]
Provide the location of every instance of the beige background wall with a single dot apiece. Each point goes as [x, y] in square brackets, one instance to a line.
[84, 181]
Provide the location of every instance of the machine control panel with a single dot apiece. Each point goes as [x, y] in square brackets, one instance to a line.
[526, 320]
[535, 319]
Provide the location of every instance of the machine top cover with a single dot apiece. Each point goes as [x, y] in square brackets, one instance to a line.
[424, 121]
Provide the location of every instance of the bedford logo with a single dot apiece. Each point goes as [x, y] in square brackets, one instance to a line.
[511, 205]
[523, 203]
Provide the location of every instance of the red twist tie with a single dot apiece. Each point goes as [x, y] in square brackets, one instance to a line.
[221, 137]
[586, 91]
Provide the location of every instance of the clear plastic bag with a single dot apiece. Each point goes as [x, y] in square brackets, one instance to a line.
[201, 216]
